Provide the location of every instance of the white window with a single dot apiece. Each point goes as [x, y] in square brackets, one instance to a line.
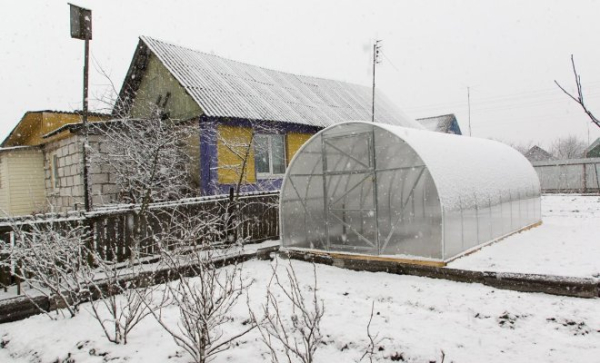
[269, 155]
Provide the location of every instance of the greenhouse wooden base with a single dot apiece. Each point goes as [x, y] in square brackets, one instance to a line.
[387, 259]
[547, 284]
[477, 248]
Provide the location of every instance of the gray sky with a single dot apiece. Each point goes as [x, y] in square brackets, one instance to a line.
[507, 52]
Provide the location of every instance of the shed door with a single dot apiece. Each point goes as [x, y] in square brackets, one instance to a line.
[349, 179]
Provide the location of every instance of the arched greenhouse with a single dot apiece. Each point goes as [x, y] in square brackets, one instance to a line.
[375, 189]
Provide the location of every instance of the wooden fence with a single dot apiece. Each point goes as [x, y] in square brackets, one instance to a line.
[116, 230]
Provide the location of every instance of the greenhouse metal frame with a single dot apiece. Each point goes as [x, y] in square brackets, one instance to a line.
[382, 190]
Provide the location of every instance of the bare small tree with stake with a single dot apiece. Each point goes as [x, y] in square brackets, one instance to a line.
[121, 299]
[374, 340]
[292, 335]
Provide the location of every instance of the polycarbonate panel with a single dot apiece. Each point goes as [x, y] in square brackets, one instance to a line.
[360, 188]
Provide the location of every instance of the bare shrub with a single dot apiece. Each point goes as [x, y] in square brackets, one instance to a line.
[121, 299]
[51, 259]
[205, 303]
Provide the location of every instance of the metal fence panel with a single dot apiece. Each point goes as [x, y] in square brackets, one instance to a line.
[569, 176]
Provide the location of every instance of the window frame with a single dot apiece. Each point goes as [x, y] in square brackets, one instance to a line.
[271, 174]
[54, 174]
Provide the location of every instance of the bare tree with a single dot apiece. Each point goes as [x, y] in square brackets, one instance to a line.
[51, 259]
[292, 335]
[579, 97]
[569, 147]
[147, 161]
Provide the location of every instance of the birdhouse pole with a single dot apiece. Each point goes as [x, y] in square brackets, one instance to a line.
[81, 28]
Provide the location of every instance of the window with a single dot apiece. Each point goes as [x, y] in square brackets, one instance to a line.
[54, 167]
[269, 155]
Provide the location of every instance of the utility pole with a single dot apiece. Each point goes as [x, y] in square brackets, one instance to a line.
[469, 104]
[376, 49]
[81, 28]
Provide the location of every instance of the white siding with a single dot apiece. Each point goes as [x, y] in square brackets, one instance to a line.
[23, 176]
[4, 199]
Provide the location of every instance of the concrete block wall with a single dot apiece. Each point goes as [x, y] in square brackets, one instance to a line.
[69, 194]
[102, 181]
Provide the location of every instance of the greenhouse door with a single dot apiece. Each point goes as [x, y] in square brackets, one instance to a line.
[349, 178]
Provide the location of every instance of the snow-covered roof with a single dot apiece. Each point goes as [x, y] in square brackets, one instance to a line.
[227, 88]
[536, 153]
[465, 168]
[443, 123]
[13, 148]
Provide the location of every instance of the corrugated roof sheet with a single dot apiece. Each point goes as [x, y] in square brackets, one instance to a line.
[227, 88]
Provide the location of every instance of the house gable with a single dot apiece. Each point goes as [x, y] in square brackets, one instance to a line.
[160, 93]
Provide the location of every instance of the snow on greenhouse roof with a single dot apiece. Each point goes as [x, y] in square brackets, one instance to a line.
[227, 88]
[465, 168]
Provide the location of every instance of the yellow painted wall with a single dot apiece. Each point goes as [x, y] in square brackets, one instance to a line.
[232, 144]
[24, 181]
[294, 141]
[157, 81]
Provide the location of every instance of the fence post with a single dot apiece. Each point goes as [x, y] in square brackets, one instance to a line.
[584, 177]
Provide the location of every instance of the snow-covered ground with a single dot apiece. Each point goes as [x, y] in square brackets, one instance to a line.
[567, 243]
[418, 317]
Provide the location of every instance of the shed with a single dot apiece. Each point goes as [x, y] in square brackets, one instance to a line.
[409, 194]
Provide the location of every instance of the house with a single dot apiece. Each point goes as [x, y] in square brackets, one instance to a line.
[40, 163]
[251, 120]
[444, 123]
[536, 153]
[593, 151]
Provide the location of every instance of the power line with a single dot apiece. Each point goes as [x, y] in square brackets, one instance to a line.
[390, 62]
[524, 96]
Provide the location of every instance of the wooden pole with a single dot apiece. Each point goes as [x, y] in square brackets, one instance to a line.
[84, 116]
